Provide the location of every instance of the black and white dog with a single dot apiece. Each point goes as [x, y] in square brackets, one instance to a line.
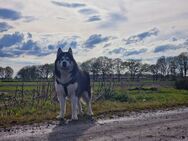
[71, 82]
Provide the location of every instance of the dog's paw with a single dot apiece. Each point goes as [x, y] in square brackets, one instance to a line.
[72, 121]
[60, 117]
[62, 122]
[74, 118]
[90, 118]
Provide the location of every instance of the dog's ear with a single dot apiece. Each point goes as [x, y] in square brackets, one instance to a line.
[59, 52]
[70, 51]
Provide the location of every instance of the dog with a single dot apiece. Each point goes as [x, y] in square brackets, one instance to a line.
[71, 82]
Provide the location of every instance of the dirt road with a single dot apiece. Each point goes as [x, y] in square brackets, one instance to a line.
[166, 125]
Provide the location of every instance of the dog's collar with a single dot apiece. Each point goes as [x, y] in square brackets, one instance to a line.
[66, 84]
[72, 81]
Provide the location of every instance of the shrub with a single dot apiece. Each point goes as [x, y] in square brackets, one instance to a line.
[182, 84]
[116, 96]
[122, 97]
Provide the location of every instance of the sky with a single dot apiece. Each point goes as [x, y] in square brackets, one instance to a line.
[31, 31]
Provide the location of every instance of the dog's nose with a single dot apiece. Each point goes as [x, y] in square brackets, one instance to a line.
[64, 64]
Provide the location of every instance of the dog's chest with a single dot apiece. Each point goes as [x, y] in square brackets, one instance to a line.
[69, 90]
[72, 88]
[65, 77]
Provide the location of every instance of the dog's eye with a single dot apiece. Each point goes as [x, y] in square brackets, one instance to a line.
[63, 58]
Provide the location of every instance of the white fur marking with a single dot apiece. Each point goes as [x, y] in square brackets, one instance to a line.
[74, 99]
[61, 98]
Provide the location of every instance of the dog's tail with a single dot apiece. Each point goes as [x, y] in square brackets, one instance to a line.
[88, 84]
[82, 101]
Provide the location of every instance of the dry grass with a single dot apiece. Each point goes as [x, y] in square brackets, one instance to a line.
[45, 110]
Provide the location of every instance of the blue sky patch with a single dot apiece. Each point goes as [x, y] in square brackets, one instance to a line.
[4, 26]
[163, 48]
[11, 39]
[9, 14]
[141, 36]
[94, 40]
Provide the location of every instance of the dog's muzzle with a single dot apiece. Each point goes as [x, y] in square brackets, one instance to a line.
[64, 64]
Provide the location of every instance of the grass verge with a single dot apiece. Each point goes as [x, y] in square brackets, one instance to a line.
[137, 100]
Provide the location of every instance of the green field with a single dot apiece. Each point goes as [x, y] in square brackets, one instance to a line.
[12, 86]
[26, 110]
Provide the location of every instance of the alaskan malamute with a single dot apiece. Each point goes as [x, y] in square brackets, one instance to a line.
[71, 82]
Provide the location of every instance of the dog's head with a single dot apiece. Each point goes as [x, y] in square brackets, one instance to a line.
[64, 61]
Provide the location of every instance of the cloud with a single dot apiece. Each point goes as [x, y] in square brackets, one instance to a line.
[54, 47]
[141, 36]
[69, 5]
[87, 11]
[107, 45]
[4, 26]
[11, 53]
[5, 54]
[9, 14]
[32, 48]
[19, 46]
[163, 48]
[51, 47]
[94, 18]
[28, 19]
[186, 42]
[61, 44]
[95, 39]
[11, 39]
[114, 19]
[174, 39]
[29, 45]
[124, 52]
[66, 43]
[117, 51]
[26, 48]
[118, 17]
[73, 44]
[29, 35]
[135, 52]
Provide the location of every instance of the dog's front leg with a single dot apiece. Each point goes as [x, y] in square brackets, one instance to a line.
[62, 102]
[61, 99]
[62, 107]
[74, 105]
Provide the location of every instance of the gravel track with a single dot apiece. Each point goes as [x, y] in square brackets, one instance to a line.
[161, 125]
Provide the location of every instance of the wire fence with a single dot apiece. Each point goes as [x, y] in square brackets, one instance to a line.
[37, 94]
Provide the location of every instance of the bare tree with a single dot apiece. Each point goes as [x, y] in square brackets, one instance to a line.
[28, 73]
[133, 67]
[2, 72]
[144, 68]
[46, 71]
[172, 67]
[118, 67]
[105, 66]
[183, 64]
[162, 65]
[93, 66]
[8, 72]
[154, 70]
[86, 66]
